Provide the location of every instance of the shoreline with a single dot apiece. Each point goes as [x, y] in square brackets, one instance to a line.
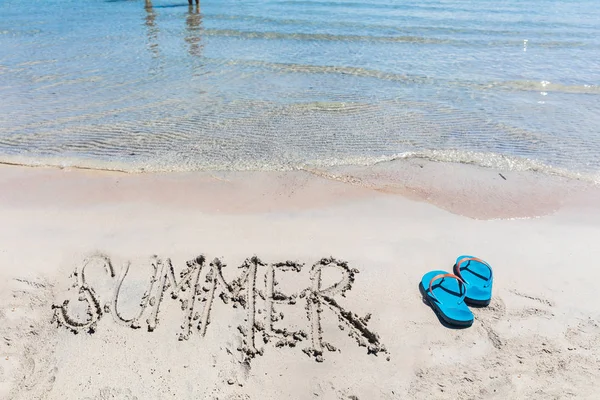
[538, 338]
[495, 161]
[467, 190]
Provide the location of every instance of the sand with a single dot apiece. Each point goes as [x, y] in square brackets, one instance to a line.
[294, 285]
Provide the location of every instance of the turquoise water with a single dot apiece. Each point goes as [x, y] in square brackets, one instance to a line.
[272, 84]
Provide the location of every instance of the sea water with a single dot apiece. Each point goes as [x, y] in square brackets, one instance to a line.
[284, 84]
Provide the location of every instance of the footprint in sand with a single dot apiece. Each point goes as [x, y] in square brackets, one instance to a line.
[237, 396]
[585, 335]
[27, 344]
[236, 370]
[109, 393]
[530, 364]
[489, 316]
[540, 300]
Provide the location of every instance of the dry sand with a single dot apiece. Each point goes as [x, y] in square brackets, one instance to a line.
[255, 329]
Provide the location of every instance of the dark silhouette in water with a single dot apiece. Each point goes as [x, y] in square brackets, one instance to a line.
[150, 22]
[193, 23]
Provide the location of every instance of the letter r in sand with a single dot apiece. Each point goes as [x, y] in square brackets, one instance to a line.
[318, 296]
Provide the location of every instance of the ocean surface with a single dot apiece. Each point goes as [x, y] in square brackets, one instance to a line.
[283, 84]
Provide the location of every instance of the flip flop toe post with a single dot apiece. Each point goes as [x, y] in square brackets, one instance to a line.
[446, 293]
[477, 275]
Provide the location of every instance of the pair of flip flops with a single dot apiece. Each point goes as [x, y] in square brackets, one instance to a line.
[450, 294]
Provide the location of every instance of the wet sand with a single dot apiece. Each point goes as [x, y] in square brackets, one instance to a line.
[258, 322]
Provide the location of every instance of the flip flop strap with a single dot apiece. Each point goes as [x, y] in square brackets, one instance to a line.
[479, 260]
[442, 276]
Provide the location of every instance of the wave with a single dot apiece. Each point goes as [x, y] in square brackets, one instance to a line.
[479, 159]
[499, 162]
[544, 86]
[325, 37]
[270, 35]
[334, 69]
[525, 85]
[403, 6]
[379, 27]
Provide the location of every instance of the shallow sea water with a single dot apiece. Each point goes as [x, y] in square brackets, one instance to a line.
[277, 85]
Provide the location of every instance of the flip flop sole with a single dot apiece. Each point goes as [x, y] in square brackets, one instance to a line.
[477, 303]
[452, 322]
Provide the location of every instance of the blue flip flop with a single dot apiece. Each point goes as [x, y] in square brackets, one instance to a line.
[477, 275]
[446, 293]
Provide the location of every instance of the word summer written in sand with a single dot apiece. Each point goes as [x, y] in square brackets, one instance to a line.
[198, 286]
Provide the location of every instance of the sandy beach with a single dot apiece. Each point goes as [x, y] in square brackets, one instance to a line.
[240, 200]
[110, 287]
